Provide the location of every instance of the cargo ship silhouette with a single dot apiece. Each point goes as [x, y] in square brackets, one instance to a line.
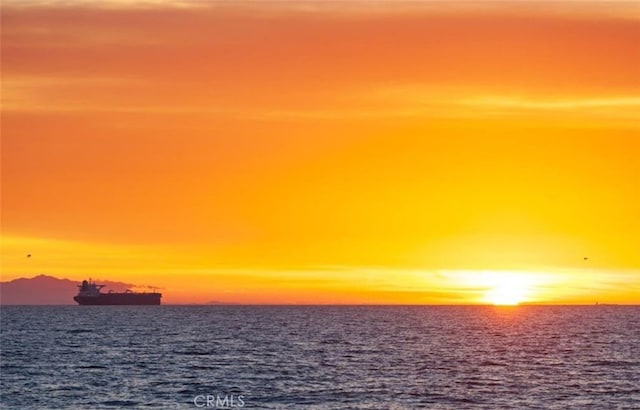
[89, 294]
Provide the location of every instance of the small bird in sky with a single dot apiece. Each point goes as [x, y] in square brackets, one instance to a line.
[585, 258]
[28, 255]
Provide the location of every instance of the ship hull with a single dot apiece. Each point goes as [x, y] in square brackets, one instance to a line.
[120, 299]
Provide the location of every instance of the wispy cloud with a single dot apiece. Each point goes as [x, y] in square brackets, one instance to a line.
[105, 4]
[626, 9]
[553, 104]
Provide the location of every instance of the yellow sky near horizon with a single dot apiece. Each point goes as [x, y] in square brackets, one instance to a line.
[356, 152]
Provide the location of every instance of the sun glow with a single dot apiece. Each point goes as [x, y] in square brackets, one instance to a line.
[508, 289]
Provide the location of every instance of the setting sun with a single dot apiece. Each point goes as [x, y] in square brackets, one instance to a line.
[508, 289]
[505, 295]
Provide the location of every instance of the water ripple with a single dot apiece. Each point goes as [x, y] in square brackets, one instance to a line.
[320, 357]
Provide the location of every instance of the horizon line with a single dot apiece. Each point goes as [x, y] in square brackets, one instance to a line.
[358, 304]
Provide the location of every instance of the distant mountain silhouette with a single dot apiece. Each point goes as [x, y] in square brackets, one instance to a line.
[46, 290]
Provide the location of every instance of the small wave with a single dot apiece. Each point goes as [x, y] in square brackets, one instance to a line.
[490, 363]
[76, 331]
[466, 400]
[193, 353]
[188, 390]
[333, 342]
[196, 367]
[613, 363]
[71, 388]
[120, 403]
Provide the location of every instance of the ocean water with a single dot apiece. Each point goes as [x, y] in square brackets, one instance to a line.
[93, 357]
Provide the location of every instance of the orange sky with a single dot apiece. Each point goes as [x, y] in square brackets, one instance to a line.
[314, 152]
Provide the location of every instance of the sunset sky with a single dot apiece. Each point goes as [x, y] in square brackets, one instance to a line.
[325, 152]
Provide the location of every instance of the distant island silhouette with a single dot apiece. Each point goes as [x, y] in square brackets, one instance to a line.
[46, 290]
